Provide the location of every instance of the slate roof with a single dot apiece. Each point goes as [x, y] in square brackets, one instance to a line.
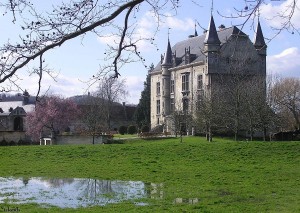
[84, 99]
[196, 45]
[119, 111]
[14, 101]
[168, 55]
[5, 106]
[259, 40]
[18, 97]
[212, 35]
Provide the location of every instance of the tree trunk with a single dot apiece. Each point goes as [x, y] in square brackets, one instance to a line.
[209, 134]
[265, 134]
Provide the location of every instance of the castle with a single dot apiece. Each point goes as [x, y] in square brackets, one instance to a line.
[203, 66]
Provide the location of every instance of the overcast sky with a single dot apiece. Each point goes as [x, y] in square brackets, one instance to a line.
[77, 60]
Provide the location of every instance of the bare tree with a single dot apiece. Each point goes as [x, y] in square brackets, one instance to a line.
[210, 114]
[251, 11]
[287, 101]
[111, 91]
[42, 31]
[93, 116]
[179, 121]
[259, 116]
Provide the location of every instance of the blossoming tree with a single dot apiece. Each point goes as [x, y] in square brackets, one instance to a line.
[53, 114]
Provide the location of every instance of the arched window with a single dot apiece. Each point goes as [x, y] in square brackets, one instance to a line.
[18, 124]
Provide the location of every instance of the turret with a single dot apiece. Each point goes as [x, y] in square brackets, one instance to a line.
[167, 60]
[259, 41]
[25, 97]
[166, 65]
[211, 41]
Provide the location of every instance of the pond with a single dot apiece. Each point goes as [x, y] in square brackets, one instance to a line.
[75, 192]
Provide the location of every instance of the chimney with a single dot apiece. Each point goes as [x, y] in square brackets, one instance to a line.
[25, 97]
[221, 27]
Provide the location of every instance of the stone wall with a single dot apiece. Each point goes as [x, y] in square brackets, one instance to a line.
[78, 139]
[12, 136]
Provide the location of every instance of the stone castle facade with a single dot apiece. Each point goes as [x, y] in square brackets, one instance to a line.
[201, 65]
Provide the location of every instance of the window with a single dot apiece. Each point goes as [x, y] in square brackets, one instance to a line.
[185, 104]
[172, 105]
[158, 107]
[199, 102]
[199, 82]
[18, 124]
[172, 86]
[227, 60]
[158, 88]
[185, 81]
[163, 85]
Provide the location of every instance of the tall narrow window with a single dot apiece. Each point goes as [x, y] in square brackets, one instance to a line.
[158, 107]
[185, 104]
[172, 86]
[185, 81]
[158, 88]
[199, 82]
[199, 102]
[172, 105]
[18, 124]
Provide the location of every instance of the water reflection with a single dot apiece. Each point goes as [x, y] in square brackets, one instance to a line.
[74, 192]
[186, 200]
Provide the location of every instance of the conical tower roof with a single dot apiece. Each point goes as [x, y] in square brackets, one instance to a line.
[259, 40]
[168, 55]
[211, 34]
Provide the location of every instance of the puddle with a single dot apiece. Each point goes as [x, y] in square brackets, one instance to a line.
[74, 192]
[186, 200]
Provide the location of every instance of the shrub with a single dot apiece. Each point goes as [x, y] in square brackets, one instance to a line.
[111, 141]
[145, 128]
[3, 143]
[122, 130]
[35, 143]
[12, 143]
[131, 130]
[23, 142]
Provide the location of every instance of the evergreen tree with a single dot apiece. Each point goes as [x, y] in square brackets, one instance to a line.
[142, 113]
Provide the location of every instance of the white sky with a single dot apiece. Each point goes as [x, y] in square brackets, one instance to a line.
[76, 61]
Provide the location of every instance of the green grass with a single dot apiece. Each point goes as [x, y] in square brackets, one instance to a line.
[225, 176]
[127, 136]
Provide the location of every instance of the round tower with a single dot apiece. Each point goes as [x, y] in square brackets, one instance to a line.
[166, 76]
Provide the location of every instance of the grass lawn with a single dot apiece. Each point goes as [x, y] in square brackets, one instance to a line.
[225, 176]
